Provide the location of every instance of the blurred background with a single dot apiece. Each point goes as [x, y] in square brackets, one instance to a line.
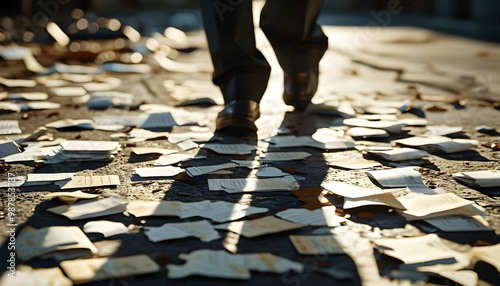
[478, 19]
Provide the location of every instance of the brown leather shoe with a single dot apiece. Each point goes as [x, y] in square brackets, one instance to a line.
[238, 116]
[300, 89]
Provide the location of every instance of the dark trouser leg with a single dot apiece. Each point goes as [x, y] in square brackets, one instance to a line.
[241, 71]
[290, 26]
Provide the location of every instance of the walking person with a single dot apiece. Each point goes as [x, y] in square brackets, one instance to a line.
[240, 69]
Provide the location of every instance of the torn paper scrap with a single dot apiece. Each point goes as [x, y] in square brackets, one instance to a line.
[308, 141]
[481, 179]
[230, 149]
[460, 223]
[270, 172]
[438, 144]
[389, 126]
[70, 197]
[324, 216]
[90, 209]
[386, 199]
[9, 127]
[259, 226]
[421, 207]
[34, 243]
[82, 182]
[201, 229]
[149, 208]
[283, 156]
[399, 154]
[202, 170]
[353, 191]
[397, 177]
[353, 163]
[170, 159]
[9, 148]
[97, 269]
[107, 228]
[253, 185]
[218, 211]
[422, 250]
[220, 264]
[152, 150]
[316, 244]
[47, 178]
[25, 275]
[151, 172]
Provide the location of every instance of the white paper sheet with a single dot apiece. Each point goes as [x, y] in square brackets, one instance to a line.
[230, 149]
[219, 211]
[253, 184]
[9, 127]
[201, 229]
[90, 209]
[259, 226]
[202, 170]
[316, 245]
[150, 172]
[107, 228]
[283, 156]
[324, 216]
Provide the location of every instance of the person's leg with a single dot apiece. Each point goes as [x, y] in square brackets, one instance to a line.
[240, 70]
[299, 44]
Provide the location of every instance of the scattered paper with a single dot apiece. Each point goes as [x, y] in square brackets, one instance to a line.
[17, 82]
[220, 264]
[230, 149]
[316, 245]
[90, 209]
[202, 170]
[187, 145]
[399, 154]
[354, 192]
[353, 163]
[82, 182]
[85, 124]
[149, 208]
[219, 211]
[460, 223]
[389, 126]
[34, 243]
[9, 127]
[151, 172]
[70, 197]
[171, 159]
[400, 177]
[259, 226]
[9, 148]
[253, 185]
[283, 156]
[423, 207]
[35, 179]
[270, 172]
[69, 91]
[378, 200]
[308, 141]
[26, 275]
[438, 144]
[423, 250]
[98, 269]
[201, 229]
[324, 216]
[152, 150]
[107, 228]
[481, 179]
